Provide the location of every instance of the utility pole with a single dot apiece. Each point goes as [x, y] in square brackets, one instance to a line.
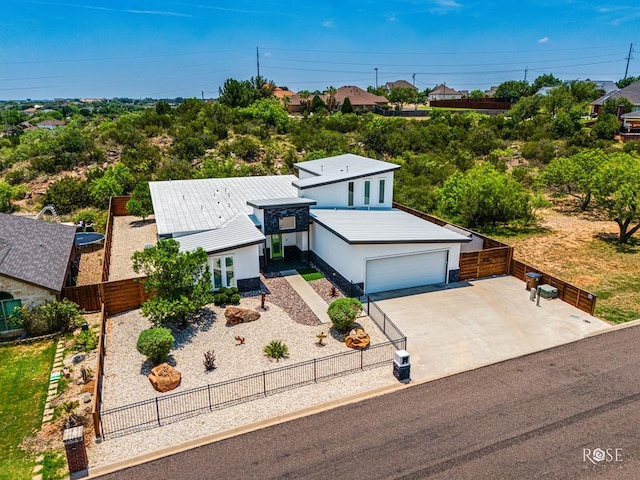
[414, 80]
[203, 95]
[376, 69]
[258, 60]
[629, 57]
[415, 102]
[526, 71]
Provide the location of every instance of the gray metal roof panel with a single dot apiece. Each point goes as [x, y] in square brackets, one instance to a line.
[339, 168]
[383, 226]
[239, 232]
[186, 206]
[281, 202]
[35, 251]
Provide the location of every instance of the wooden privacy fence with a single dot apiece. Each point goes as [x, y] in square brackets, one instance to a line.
[582, 299]
[485, 263]
[97, 388]
[117, 296]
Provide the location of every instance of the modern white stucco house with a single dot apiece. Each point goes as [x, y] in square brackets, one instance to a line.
[337, 214]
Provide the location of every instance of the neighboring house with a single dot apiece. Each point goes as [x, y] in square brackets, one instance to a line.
[630, 92]
[442, 92]
[35, 260]
[398, 84]
[338, 214]
[280, 93]
[360, 99]
[50, 124]
[491, 92]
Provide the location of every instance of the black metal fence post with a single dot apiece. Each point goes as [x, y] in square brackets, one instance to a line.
[158, 412]
[209, 392]
[264, 382]
[315, 373]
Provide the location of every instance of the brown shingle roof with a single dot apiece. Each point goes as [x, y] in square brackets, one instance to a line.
[359, 97]
[630, 92]
[35, 251]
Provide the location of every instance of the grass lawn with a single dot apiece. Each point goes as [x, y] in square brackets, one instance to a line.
[24, 379]
[310, 274]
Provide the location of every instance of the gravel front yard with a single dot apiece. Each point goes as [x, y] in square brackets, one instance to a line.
[126, 369]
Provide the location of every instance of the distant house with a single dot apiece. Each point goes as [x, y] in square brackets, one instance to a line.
[50, 124]
[605, 86]
[442, 92]
[491, 92]
[398, 84]
[35, 263]
[360, 99]
[281, 93]
[631, 93]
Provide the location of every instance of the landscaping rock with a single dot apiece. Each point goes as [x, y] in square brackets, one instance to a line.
[164, 377]
[236, 315]
[357, 338]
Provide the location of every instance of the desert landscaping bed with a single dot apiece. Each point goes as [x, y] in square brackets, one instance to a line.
[126, 369]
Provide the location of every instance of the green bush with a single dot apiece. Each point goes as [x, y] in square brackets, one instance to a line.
[343, 313]
[86, 340]
[219, 299]
[155, 344]
[51, 316]
[276, 349]
[234, 298]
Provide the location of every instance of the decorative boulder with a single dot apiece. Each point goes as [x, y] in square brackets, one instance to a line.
[164, 377]
[357, 339]
[236, 315]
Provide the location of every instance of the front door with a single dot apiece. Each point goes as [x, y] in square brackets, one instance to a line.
[276, 246]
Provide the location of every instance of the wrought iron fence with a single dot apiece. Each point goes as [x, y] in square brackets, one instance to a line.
[178, 406]
[384, 323]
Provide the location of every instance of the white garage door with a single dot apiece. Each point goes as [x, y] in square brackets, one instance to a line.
[392, 273]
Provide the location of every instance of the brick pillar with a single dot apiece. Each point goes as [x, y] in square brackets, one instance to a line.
[73, 439]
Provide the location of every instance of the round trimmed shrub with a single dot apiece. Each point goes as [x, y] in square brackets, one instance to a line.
[155, 344]
[343, 313]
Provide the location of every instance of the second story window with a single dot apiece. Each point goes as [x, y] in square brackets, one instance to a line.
[381, 191]
[287, 223]
[367, 191]
[350, 197]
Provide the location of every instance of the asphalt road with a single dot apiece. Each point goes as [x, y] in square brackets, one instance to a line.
[526, 418]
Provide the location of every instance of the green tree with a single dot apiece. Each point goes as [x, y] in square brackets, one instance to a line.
[346, 106]
[401, 95]
[331, 98]
[611, 105]
[67, 194]
[181, 282]
[163, 108]
[115, 181]
[545, 80]
[343, 313]
[606, 126]
[512, 90]
[483, 196]
[140, 203]
[625, 82]
[617, 191]
[574, 176]
[318, 105]
[476, 94]
[6, 192]
[155, 344]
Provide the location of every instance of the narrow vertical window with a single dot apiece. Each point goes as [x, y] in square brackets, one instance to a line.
[367, 191]
[217, 273]
[350, 198]
[381, 191]
[231, 278]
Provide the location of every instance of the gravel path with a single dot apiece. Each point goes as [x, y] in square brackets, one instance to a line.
[126, 369]
[129, 235]
[282, 294]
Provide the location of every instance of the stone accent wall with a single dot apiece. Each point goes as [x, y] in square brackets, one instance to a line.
[249, 284]
[454, 275]
[272, 217]
[331, 274]
[30, 295]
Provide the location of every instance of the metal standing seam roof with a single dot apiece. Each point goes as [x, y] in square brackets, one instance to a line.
[35, 251]
[281, 202]
[191, 206]
[340, 168]
[383, 226]
[239, 232]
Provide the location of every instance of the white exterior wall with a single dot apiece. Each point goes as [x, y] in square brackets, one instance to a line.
[289, 239]
[337, 194]
[246, 263]
[349, 260]
[301, 241]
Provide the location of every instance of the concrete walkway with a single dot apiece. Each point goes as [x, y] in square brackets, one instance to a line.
[308, 294]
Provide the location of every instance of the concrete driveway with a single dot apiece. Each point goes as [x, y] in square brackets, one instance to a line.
[469, 324]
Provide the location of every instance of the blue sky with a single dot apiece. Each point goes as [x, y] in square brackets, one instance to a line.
[160, 48]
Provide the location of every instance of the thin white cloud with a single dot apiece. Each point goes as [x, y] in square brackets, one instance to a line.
[543, 40]
[441, 7]
[391, 18]
[120, 10]
[327, 24]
